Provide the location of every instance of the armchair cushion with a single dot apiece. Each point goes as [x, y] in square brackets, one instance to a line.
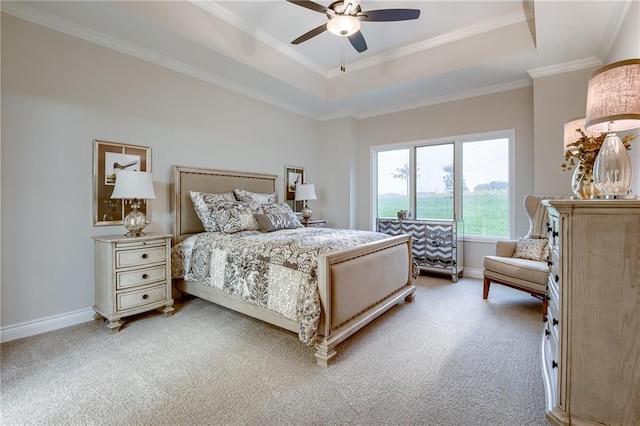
[506, 248]
[531, 248]
[524, 272]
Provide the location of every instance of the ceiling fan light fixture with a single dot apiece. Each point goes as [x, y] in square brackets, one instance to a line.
[343, 25]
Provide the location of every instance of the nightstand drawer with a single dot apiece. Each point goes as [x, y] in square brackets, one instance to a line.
[135, 299]
[140, 257]
[140, 277]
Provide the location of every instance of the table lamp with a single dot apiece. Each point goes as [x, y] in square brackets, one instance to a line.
[305, 192]
[135, 187]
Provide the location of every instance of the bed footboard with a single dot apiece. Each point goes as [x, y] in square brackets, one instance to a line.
[358, 285]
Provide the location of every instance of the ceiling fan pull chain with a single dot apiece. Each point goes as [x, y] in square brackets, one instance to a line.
[342, 67]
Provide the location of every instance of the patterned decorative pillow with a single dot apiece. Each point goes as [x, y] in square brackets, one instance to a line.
[270, 222]
[204, 204]
[233, 216]
[531, 248]
[255, 197]
[277, 208]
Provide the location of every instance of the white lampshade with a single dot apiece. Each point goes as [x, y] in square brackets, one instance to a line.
[572, 133]
[343, 25]
[306, 191]
[613, 97]
[133, 185]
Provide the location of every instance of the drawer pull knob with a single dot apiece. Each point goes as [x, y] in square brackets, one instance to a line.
[145, 296]
[554, 233]
[144, 255]
[554, 364]
[145, 276]
[546, 332]
[557, 278]
[549, 263]
[555, 321]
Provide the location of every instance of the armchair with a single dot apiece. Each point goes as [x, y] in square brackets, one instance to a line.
[515, 266]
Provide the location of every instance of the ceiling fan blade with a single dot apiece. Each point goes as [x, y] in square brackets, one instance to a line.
[358, 42]
[314, 32]
[386, 15]
[311, 5]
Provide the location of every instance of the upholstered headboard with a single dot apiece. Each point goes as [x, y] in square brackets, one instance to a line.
[185, 179]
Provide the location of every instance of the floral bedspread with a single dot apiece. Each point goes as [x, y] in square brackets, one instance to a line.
[276, 270]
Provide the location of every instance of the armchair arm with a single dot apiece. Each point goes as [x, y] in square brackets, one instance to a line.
[506, 248]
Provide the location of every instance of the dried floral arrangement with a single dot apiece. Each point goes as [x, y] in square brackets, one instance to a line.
[585, 150]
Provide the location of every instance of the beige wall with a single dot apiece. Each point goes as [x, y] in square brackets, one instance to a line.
[339, 169]
[557, 99]
[59, 93]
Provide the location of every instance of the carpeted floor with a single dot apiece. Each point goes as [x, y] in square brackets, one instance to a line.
[449, 358]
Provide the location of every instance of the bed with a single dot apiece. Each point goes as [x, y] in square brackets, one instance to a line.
[355, 285]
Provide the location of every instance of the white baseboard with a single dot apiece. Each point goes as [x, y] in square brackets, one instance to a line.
[472, 273]
[55, 322]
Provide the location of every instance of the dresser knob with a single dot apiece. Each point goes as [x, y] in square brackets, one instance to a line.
[557, 278]
[546, 332]
[145, 296]
[145, 276]
[554, 233]
[549, 263]
[144, 255]
[554, 364]
[555, 321]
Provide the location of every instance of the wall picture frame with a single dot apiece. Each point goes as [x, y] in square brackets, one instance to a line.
[293, 175]
[107, 158]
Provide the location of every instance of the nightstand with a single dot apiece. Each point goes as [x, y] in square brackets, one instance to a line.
[132, 275]
[315, 223]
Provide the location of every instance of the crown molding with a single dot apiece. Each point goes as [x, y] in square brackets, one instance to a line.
[518, 84]
[241, 24]
[47, 20]
[564, 67]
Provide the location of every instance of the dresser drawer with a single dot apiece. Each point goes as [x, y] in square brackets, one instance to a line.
[136, 243]
[140, 257]
[138, 298]
[551, 359]
[140, 277]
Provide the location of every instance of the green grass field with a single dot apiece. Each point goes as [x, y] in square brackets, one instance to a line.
[484, 214]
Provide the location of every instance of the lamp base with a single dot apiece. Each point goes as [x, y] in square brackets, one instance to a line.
[135, 221]
[614, 197]
[306, 212]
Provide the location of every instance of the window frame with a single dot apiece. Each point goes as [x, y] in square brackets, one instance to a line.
[457, 142]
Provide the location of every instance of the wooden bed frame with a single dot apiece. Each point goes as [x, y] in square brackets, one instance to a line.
[355, 285]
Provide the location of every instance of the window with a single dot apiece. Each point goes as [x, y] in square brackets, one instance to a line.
[434, 182]
[393, 182]
[464, 178]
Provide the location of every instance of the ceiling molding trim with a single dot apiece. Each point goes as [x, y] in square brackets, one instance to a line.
[518, 84]
[580, 64]
[421, 46]
[234, 20]
[79, 31]
[613, 28]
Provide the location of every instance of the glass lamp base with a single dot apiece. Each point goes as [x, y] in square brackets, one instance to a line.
[612, 170]
[135, 223]
[306, 212]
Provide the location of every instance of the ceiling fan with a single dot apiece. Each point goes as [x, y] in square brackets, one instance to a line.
[344, 19]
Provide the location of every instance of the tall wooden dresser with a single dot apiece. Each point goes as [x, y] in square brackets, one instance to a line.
[591, 340]
[436, 243]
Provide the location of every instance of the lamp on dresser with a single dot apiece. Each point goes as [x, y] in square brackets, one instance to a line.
[134, 187]
[305, 192]
[613, 105]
